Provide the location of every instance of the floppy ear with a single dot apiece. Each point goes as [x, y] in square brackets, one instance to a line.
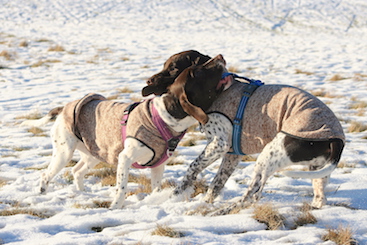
[194, 111]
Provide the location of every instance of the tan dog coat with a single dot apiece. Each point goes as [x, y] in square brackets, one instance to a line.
[98, 123]
[278, 108]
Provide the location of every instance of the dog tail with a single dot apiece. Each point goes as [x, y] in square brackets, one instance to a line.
[51, 115]
[336, 148]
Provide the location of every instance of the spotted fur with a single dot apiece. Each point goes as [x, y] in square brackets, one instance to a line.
[314, 138]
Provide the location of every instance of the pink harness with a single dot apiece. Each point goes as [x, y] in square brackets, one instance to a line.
[171, 141]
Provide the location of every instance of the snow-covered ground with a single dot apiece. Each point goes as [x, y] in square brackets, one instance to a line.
[110, 45]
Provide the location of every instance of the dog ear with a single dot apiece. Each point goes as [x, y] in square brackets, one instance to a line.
[194, 111]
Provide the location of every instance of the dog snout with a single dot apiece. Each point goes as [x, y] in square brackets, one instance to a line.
[220, 58]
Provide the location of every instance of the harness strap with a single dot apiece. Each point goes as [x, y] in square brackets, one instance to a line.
[125, 117]
[237, 122]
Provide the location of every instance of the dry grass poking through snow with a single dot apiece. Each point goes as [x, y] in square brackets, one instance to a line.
[164, 230]
[357, 127]
[341, 236]
[269, 215]
[306, 217]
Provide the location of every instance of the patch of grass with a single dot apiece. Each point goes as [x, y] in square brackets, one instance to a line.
[144, 184]
[44, 62]
[2, 183]
[173, 161]
[188, 142]
[106, 172]
[21, 148]
[267, 214]
[199, 210]
[164, 230]
[343, 164]
[56, 48]
[357, 127]
[31, 116]
[168, 184]
[306, 217]
[323, 93]
[124, 58]
[125, 90]
[37, 131]
[23, 43]
[248, 158]
[299, 71]
[359, 77]
[358, 105]
[43, 40]
[8, 55]
[95, 204]
[40, 214]
[341, 236]
[233, 69]
[337, 77]
[35, 168]
[68, 177]
[200, 186]
[192, 128]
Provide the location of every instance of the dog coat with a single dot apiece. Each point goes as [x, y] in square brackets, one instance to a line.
[98, 125]
[141, 127]
[278, 108]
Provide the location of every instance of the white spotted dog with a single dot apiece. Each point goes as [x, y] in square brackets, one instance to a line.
[286, 125]
[92, 126]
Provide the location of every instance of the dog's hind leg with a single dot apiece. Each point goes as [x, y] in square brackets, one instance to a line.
[134, 151]
[64, 144]
[228, 165]
[319, 185]
[272, 158]
[86, 162]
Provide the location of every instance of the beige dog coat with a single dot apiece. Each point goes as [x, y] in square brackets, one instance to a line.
[278, 108]
[98, 124]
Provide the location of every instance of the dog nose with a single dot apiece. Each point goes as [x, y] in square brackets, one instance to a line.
[220, 58]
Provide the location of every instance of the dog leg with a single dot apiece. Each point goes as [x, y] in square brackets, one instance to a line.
[218, 133]
[271, 159]
[86, 162]
[207, 157]
[134, 151]
[64, 144]
[228, 165]
[319, 198]
[157, 176]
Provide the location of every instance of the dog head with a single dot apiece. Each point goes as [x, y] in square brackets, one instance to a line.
[197, 87]
[158, 83]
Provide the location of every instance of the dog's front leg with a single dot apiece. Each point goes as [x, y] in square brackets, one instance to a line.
[228, 165]
[207, 157]
[134, 151]
[218, 133]
[157, 175]
[122, 176]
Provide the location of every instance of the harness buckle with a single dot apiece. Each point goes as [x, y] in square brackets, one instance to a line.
[237, 121]
[172, 143]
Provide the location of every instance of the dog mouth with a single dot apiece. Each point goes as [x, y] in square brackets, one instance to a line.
[224, 83]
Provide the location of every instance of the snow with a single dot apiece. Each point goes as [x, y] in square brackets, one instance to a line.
[110, 45]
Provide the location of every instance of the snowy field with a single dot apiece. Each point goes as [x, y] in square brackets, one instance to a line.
[55, 51]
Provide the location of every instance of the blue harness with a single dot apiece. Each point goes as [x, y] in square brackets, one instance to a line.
[237, 122]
